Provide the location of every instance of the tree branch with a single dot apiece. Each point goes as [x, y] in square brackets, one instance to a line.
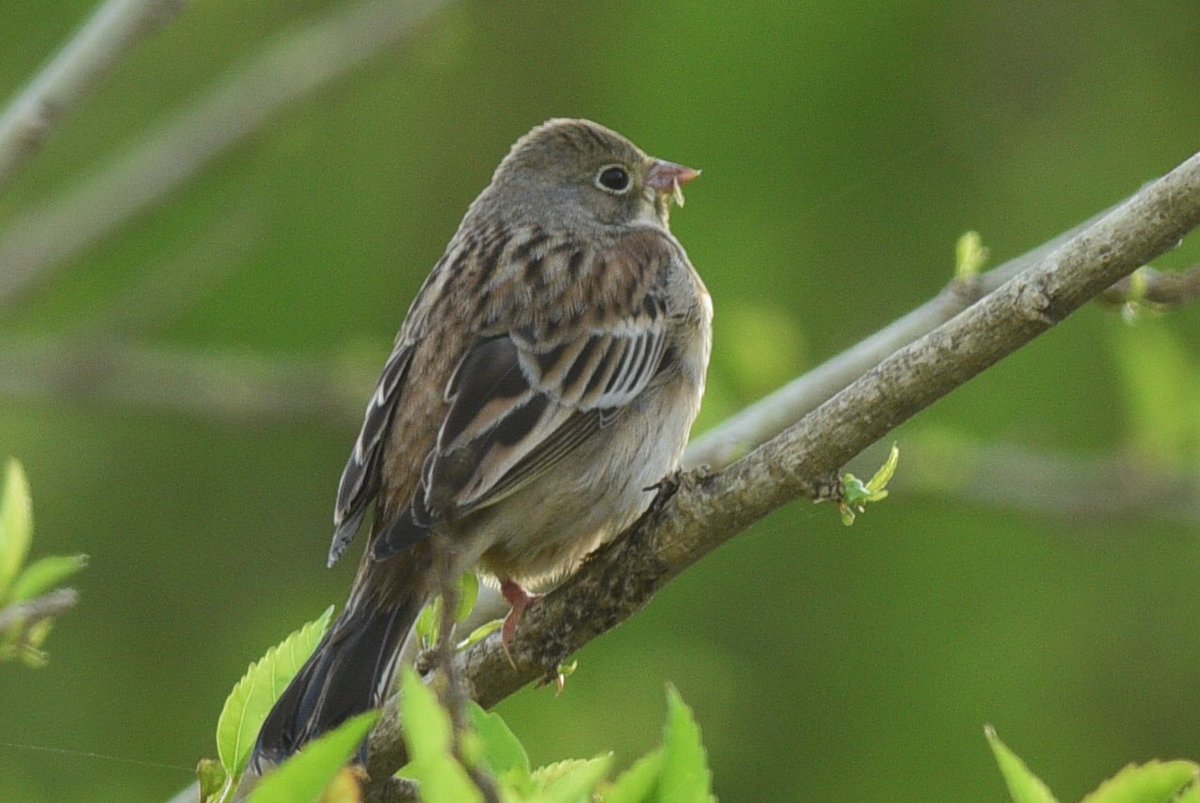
[33, 246]
[709, 509]
[113, 31]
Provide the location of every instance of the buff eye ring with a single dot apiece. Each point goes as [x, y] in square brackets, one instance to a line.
[614, 179]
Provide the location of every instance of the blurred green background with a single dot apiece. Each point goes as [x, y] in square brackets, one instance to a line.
[845, 147]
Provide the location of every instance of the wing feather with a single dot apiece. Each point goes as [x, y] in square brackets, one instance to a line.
[361, 478]
[568, 390]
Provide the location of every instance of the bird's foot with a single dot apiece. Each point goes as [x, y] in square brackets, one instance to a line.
[518, 600]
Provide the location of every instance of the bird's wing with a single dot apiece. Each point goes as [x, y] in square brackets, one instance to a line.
[521, 400]
[361, 478]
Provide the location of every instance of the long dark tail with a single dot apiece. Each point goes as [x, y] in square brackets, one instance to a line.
[351, 670]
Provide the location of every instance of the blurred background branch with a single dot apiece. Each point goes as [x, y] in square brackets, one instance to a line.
[40, 243]
[232, 386]
[1019, 478]
[103, 41]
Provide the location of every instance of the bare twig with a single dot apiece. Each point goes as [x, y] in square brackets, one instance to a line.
[34, 246]
[802, 461]
[453, 695]
[24, 614]
[114, 30]
[1164, 290]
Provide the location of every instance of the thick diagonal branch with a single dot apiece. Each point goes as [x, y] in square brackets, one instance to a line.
[802, 461]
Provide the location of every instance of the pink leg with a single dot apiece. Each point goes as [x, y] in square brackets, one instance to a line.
[518, 600]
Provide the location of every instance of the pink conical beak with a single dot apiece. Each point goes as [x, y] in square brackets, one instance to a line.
[664, 176]
[668, 178]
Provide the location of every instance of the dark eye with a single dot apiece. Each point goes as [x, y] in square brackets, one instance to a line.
[614, 179]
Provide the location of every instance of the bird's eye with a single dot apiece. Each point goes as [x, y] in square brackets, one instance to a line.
[613, 178]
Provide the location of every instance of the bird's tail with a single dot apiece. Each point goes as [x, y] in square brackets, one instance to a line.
[351, 670]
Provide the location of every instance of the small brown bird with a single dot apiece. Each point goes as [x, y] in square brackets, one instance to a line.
[545, 378]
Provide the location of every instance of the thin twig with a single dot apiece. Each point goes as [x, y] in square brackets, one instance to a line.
[453, 694]
[24, 614]
[36, 245]
[802, 461]
[111, 32]
[1164, 290]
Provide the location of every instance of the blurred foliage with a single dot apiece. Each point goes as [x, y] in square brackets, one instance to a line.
[845, 148]
[1152, 782]
[22, 584]
[253, 696]
[675, 772]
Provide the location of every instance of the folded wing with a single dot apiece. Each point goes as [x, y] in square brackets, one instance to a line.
[520, 403]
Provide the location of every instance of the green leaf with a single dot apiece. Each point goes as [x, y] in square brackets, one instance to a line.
[572, 781]
[884, 475]
[344, 788]
[251, 699]
[502, 753]
[638, 782]
[468, 593]
[1152, 782]
[1189, 795]
[969, 256]
[1158, 381]
[427, 734]
[305, 776]
[480, 633]
[685, 777]
[16, 525]
[212, 778]
[1023, 785]
[45, 574]
[31, 643]
[856, 494]
[428, 623]
[564, 671]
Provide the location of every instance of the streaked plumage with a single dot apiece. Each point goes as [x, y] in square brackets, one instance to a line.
[547, 374]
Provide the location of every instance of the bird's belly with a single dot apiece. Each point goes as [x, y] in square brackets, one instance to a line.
[541, 532]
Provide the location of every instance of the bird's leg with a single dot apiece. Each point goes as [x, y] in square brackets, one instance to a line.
[518, 600]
